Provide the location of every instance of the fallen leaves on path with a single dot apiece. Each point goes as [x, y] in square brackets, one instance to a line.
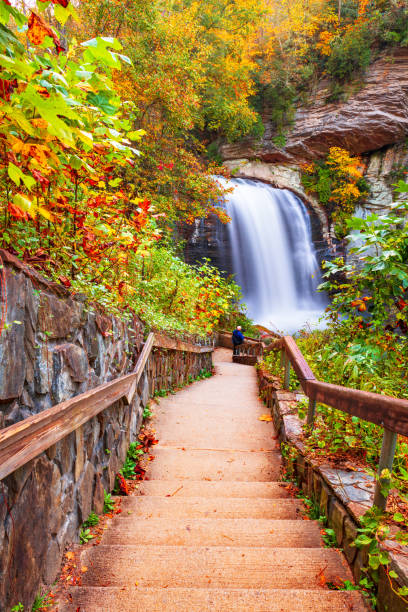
[265, 417]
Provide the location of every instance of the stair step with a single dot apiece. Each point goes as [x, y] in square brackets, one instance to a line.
[172, 463]
[212, 567]
[215, 507]
[135, 599]
[214, 429]
[204, 488]
[125, 531]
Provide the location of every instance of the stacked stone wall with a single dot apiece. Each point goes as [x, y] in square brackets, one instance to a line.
[53, 348]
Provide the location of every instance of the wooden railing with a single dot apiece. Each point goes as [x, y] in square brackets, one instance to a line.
[388, 412]
[25, 440]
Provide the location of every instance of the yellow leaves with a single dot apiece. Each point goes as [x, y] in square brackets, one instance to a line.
[265, 417]
[70, 555]
[31, 207]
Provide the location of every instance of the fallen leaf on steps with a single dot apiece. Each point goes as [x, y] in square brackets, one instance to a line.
[265, 417]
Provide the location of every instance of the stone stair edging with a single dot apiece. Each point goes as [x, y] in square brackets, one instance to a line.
[343, 495]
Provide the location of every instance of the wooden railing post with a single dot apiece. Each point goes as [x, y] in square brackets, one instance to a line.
[286, 380]
[282, 358]
[389, 444]
[311, 412]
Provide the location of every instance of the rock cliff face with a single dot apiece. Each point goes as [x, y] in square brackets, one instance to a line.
[373, 117]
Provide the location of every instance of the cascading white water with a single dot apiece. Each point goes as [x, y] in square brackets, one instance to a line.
[273, 257]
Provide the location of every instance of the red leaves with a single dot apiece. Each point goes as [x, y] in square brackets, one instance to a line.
[63, 3]
[16, 212]
[139, 472]
[145, 205]
[123, 486]
[65, 281]
[6, 88]
[38, 29]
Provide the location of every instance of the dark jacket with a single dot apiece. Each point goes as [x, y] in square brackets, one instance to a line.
[237, 337]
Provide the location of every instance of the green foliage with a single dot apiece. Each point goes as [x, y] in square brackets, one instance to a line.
[108, 504]
[91, 521]
[40, 602]
[147, 413]
[17, 608]
[351, 53]
[373, 295]
[133, 456]
[85, 536]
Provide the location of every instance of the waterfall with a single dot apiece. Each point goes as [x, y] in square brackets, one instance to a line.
[273, 257]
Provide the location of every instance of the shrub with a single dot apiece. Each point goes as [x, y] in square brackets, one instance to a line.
[351, 53]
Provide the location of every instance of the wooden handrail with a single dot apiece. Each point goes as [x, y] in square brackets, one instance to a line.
[388, 412]
[25, 440]
[391, 413]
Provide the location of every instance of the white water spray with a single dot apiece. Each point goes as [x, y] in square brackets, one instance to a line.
[273, 257]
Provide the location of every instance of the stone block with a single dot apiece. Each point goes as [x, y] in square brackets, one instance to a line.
[98, 495]
[12, 350]
[349, 535]
[360, 561]
[85, 492]
[57, 318]
[31, 534]
[316, 485]
[337, 514]
[67, 494]
[325, 497]
[65, 452]
[31, 315]
[70, 367]
[300, 467]
[52, 562]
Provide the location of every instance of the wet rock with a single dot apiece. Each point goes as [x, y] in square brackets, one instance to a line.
[75, 360]
[52, 562]
[85, 492]
[12, 349]
[30, 518]
[98, 496]
[349, 535]
[31, 315]
[43, 368]
[336, 519]
[57, 318]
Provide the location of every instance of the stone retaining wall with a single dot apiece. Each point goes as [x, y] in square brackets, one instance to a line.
[59, 349]
[343, 494]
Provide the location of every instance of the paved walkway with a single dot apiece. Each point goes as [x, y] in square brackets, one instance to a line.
[212, 529]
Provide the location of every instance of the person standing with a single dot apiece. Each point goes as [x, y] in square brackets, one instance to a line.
[237, 339]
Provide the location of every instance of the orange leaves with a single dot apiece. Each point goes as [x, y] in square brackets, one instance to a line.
[38, 29]
[40, 152]
[265, 417]
[147, 439]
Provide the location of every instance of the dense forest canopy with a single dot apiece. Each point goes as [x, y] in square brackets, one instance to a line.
[112, 112]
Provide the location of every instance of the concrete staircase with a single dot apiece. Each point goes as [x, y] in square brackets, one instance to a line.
[212, 529]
